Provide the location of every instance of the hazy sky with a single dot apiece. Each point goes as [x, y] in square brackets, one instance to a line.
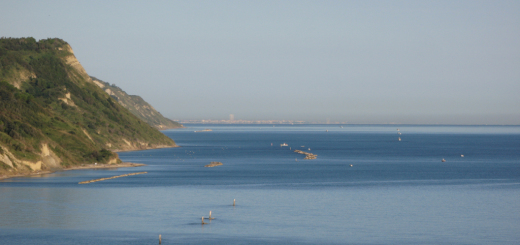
[356, 61]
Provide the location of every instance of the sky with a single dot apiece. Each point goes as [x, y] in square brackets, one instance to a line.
[417, 62]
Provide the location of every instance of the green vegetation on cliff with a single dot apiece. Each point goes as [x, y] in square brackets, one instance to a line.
[137, 106]
[52, 115]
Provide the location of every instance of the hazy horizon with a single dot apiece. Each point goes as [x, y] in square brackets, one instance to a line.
[411, 62]
[377, 119]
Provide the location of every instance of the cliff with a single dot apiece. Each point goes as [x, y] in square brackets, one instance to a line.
[137, 106]
[53, 116]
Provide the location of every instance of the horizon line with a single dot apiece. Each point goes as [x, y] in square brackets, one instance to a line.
[336, 123]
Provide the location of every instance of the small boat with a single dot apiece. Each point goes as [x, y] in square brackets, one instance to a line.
[309, 149]
[284, 144]
[399, 138]
[399, 133]
[461, 155]
[443, 160]
[327, 130]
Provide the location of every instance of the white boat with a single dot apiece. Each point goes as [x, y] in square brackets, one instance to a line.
[399, 138]
[443, 160]
[284, 144]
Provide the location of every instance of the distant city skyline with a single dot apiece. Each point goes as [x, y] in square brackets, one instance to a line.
[233, 120]
[415, 62]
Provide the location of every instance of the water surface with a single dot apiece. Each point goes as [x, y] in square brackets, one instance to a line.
[395, 192]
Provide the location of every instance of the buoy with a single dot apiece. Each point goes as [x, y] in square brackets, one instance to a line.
[233, 202]
[461, 155]
[351, 165]
[159, 238]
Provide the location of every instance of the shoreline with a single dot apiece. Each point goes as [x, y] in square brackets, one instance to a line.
[80, 167]
[89, 166]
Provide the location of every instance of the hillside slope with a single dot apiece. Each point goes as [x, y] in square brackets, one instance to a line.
[137, 106]
[53, 116]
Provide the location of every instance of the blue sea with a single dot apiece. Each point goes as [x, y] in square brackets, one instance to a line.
[365, 187]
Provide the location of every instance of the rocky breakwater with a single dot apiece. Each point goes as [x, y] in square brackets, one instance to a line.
[308, 155]
[113, 177]
[213, 164]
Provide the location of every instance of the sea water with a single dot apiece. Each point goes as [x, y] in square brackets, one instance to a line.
[365, 187]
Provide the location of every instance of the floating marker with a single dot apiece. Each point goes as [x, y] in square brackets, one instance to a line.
[159, 238]
[233, 202]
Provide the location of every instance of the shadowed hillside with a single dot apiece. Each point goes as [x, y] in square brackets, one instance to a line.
[137, 106]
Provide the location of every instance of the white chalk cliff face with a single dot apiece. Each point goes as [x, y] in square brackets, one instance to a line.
[74, 63]
[48, 161]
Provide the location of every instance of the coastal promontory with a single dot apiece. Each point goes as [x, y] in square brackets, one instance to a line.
[53, 116]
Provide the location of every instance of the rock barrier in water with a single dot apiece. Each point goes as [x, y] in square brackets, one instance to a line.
[113, 177]
[308, 155]
[213, 164]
